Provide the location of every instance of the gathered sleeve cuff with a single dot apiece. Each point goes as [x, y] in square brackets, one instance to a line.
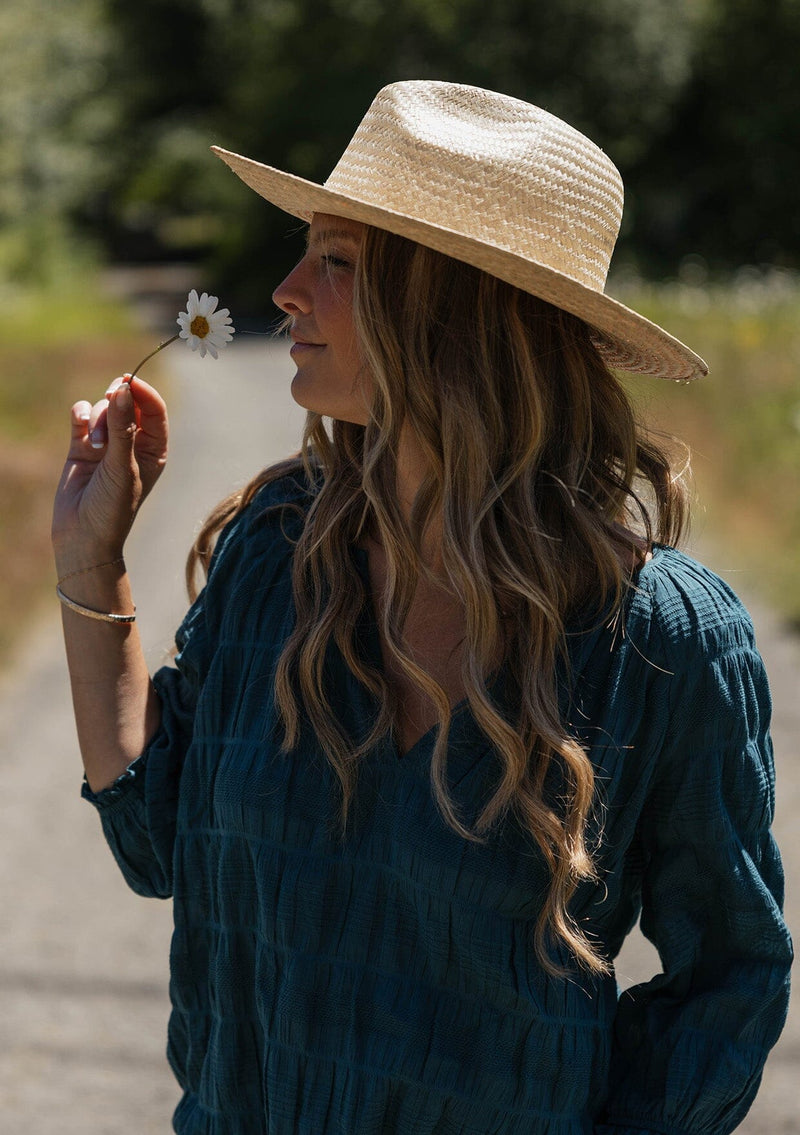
[690, 1045]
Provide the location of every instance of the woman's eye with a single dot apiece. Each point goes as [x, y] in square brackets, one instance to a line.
[333, 261]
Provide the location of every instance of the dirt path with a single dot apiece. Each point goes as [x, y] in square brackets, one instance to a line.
[83, 961]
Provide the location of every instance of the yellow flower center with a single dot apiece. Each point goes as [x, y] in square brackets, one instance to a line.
[199, 326]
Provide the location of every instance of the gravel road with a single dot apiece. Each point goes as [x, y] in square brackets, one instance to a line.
[83, 961]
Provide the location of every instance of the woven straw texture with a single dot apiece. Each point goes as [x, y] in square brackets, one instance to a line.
[497, 183]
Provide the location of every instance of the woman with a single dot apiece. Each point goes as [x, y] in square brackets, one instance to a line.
[450, 710]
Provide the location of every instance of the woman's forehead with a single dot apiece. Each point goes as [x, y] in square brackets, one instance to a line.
[330, 227]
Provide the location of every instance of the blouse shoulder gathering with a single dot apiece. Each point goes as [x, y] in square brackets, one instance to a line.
[690, 604]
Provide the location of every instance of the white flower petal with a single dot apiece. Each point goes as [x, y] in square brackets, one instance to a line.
[220, 329]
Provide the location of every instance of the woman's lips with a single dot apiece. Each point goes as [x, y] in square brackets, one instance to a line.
[301, 345]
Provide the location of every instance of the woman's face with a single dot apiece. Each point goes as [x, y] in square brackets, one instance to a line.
[318, 295]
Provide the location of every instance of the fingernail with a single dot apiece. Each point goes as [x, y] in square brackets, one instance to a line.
[84, 416]
[97, 439]
[123, 397]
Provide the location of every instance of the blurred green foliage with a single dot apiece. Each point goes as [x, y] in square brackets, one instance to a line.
[58, 113]
[742, 424]
[107, 110]
[721, 178]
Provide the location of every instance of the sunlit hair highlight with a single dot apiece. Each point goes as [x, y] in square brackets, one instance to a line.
[533, 460]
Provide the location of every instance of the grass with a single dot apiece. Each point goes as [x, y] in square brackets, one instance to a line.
[742, 422]
[56, 345]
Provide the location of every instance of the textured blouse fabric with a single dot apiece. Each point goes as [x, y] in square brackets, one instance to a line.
[386, 984]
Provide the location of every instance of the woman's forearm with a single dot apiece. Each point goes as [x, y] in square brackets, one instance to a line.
[116, 707]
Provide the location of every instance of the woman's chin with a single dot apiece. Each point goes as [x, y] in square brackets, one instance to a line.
[341, 409]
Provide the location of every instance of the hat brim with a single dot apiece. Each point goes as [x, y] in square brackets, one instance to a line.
[627, 341]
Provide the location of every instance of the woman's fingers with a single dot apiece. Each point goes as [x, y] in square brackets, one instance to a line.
[115, 385]
[125, 432]
[150, 448]
[96, 424]
[120, 424]
[80, 414]
[98, 431]
[132, 421]
[84, 417]
[118, 448]
[151, 407]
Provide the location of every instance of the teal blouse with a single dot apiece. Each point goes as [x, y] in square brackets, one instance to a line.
[387, 983]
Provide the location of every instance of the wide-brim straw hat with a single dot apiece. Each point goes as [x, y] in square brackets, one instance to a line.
[499, 184]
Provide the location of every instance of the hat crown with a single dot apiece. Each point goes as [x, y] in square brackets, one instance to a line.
[489, 167]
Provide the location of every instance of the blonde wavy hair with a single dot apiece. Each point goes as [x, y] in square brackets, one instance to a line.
[535, 471]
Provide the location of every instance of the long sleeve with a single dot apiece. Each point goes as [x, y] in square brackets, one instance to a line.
[138, 812]
[689, 1046]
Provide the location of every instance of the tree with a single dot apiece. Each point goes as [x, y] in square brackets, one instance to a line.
[721, 179]
[56, 120]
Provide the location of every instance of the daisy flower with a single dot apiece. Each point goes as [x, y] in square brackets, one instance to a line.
[202, 326]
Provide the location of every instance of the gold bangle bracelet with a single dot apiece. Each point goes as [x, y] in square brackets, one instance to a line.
[90, 613]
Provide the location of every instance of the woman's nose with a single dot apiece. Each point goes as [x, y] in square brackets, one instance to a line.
[292, 294]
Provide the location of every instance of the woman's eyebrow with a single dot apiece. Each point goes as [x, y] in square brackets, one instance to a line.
[331, 234]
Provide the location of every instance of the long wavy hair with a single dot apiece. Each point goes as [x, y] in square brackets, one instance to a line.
[546, 492]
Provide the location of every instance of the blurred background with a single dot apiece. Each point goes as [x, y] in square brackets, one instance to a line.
[109, 197]
[111, 207]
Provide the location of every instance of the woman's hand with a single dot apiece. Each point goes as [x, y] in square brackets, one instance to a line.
[118, 449]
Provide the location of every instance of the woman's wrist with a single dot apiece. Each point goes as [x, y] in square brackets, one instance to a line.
[71, 561]
[102, 586]
[73, 574]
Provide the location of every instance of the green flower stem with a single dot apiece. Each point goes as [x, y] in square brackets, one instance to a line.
[160, 347]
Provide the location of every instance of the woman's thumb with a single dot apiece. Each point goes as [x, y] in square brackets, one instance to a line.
[121, 422]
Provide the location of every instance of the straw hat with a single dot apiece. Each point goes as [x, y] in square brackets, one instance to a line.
[499, 184]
